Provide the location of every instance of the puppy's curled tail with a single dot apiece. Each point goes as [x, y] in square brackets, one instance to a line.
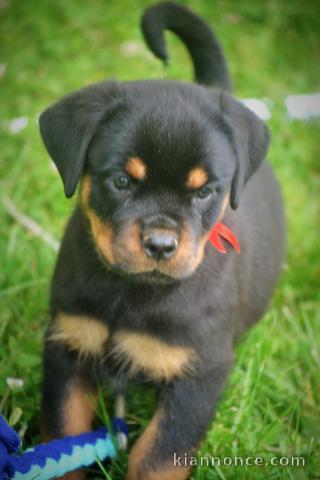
[206, 52]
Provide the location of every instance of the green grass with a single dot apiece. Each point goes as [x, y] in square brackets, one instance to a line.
[272, 403]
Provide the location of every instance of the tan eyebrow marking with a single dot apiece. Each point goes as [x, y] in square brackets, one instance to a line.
[136, 168]
[197, 177]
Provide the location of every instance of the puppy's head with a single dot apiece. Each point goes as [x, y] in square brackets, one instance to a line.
[157, 162]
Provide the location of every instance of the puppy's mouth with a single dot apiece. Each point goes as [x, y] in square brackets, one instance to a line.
[154, 277]
[138, 268]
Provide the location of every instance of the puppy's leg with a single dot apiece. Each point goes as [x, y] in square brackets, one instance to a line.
[177, 428]
[68, 394]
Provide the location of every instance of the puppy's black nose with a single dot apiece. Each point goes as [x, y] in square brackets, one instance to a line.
[159, 245]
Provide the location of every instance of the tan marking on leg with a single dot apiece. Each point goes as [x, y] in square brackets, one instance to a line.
[197, 178]
[85, 335]
[78, 409]
[101, 232]
[78, 414]
[152, 356]
[142, 447]
[136, 168]
[138, 468]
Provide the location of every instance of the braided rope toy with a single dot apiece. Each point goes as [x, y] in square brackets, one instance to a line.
[55, 458]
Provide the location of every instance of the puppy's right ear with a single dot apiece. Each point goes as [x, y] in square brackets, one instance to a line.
[250, 139]
[68, 126]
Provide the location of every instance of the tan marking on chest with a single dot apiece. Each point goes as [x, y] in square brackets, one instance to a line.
[197, 178]
[152, 356]
[136, 168]
[85, 335]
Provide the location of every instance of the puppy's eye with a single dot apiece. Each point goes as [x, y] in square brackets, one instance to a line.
[204, 193]
[121, 181]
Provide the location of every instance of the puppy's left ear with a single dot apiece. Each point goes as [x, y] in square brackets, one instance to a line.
[68, 126]
[250, 139]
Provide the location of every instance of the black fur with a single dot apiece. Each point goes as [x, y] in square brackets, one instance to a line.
[173, 127]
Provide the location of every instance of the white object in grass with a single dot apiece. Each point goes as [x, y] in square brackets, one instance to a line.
[14, 383]
[303, 107]
[132, 48]
[18, 124]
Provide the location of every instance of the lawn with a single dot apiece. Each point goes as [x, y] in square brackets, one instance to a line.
[271, 406]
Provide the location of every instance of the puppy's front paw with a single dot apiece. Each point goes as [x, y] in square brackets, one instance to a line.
[166, 471]
[150, 459]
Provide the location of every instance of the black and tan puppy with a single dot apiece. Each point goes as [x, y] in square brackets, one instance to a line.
[138, 292]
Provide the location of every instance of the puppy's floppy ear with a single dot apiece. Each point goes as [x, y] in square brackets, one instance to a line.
[250, 139]
[68, 126]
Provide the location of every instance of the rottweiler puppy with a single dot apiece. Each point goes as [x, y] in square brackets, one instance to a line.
[139, 292]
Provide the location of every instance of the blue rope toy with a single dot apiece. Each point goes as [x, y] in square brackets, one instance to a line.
[57, 457]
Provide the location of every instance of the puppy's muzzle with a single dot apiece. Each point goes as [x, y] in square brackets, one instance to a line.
[159, 238]
[159, 245]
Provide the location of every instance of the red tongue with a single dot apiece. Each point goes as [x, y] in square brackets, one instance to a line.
[221, 230]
